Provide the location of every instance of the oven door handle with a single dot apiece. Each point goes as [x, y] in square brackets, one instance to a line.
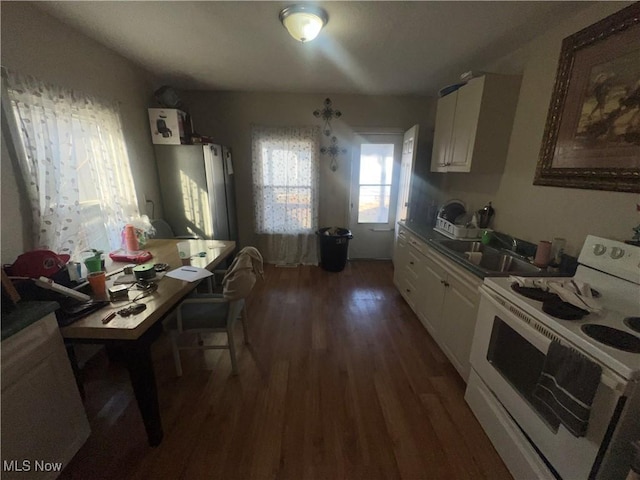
[608, 377]
[521, 322]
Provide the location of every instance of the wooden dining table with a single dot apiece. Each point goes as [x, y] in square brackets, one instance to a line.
[134, 334]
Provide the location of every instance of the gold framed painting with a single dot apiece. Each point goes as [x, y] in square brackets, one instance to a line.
[592, 134]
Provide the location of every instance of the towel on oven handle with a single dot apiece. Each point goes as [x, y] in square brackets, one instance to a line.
[567, 385]
[635, 463]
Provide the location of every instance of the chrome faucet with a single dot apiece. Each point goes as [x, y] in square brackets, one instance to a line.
[507, 240]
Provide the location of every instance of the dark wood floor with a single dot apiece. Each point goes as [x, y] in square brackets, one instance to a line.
[340, 381]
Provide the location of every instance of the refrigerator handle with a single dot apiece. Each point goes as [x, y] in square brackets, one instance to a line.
[228, 163]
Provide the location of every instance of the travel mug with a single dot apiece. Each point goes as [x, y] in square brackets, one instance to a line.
[93, 264]
[184, 251]
[98, 282]
[130, 238]
[543, 254]
[557, 249]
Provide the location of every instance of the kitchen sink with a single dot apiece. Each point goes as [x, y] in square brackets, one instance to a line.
[506, 263]
[494, 261]
[461, 246]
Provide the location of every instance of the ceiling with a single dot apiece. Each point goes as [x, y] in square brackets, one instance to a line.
[396, 47]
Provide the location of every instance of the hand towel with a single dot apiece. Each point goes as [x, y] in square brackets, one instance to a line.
[635, 463]
[540, 283]
[567, 385]
[241, 275]
[577, 294]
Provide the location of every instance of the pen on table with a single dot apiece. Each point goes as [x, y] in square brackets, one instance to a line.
[189, 270]
[109, 317]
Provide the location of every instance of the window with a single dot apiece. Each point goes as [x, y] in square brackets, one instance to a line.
[285, 180]
[73, 157]
[374, 185]
[285, 190]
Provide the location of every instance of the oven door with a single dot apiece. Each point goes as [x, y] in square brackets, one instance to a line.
[508, 353]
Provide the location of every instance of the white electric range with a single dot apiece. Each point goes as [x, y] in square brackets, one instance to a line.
[511, 339]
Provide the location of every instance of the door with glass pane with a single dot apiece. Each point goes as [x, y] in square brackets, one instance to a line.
[409, 149]
[374, 192]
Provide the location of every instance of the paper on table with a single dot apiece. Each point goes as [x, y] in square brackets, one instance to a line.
[189, 274]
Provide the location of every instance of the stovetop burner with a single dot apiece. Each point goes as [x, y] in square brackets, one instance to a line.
[563, 310]
[533, 293]
[614, 286]
[613, 337]
[633, 323]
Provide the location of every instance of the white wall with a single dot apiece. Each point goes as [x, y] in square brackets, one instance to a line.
[36, 44]
[529, 212]
[228, 117]
[538, 212]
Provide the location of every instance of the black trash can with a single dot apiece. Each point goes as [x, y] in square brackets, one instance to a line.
[334, 246]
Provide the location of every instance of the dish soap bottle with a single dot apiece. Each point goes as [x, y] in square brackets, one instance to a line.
[485, 215]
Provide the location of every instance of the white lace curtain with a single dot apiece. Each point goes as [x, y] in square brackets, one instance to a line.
[285, 192]
[73, 158]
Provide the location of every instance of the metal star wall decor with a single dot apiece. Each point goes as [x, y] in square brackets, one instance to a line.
[327, 113]
[333, 151]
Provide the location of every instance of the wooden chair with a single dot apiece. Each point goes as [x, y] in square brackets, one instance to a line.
[213, 312]
[207, 313]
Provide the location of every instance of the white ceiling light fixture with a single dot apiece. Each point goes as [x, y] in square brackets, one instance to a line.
[303, 22]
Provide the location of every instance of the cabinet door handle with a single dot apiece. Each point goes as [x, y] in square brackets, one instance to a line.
[443, 282]
[410, 263]
[408, 290]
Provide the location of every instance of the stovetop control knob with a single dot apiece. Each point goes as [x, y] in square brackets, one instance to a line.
[599, 249]
[616, 252]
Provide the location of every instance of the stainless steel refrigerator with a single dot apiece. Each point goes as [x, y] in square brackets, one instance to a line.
[198, 195]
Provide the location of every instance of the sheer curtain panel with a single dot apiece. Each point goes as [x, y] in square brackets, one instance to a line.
[285, 192]
[72, 155]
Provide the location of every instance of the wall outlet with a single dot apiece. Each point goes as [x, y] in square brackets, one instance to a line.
[151, 214]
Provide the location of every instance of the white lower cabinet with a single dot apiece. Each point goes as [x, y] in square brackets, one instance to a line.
[43, 420]
[433, 290]
[443, 295]
[407, 268]
[459, 311]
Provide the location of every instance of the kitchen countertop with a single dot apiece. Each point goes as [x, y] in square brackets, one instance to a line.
[24, 314]
[425, 232]
[431, 238]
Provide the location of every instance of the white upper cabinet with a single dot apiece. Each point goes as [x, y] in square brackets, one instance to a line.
[445, 116]
[473, 125]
